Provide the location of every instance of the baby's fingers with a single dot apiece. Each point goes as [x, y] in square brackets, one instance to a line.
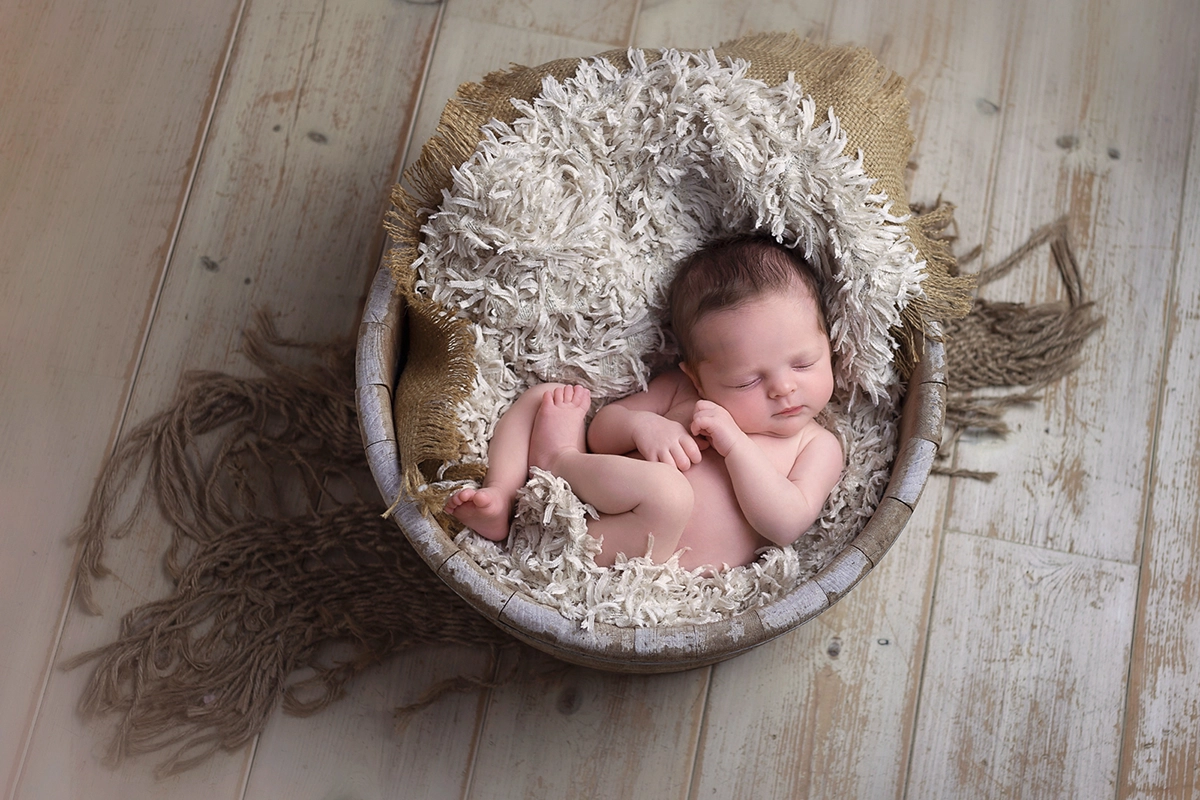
[692, 450]
[668, 454]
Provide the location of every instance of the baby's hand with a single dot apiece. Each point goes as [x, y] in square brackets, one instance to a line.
[663, 440]
[716, 425]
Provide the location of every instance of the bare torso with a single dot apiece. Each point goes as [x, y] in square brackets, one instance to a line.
[718, 532]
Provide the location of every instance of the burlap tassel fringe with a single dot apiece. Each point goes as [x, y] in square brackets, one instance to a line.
[1013, 345]
[261, 589]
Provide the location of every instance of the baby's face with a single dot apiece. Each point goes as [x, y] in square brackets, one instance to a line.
[767, 362]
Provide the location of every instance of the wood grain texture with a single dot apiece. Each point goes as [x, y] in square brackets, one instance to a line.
[701, 24]
[1014, 702]
[104, 104]
[607, 22]
[825, 710]
[285, 213]
[1022, 112]
[1094, 131]
[359, 748]
[1161, 756]
[975, 736]
[558, 731]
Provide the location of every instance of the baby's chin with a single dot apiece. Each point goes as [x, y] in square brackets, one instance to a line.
[780, 427]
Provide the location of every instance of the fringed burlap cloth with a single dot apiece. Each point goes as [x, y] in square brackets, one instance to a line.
[281, 567]
[279, 563]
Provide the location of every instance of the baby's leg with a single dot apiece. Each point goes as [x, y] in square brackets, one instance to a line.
[634, 497]
[488, 511]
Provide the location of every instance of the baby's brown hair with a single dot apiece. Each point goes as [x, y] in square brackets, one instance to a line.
[728, 272]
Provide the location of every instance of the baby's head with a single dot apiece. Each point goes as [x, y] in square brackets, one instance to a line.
[748, 316]
[729, 272]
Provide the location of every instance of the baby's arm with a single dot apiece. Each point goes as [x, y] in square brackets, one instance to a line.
[639, 422]
[780, 507]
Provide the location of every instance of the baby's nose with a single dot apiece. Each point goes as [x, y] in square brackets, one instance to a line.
[782, 387]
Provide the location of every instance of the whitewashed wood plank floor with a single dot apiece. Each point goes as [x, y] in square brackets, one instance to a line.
[166, 168]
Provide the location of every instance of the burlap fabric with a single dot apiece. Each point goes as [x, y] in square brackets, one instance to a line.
[263, 590]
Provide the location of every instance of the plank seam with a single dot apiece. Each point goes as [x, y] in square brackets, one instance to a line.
[633, 27]
[940, 535]
[65, 613]
[701, 730]
[1040, 547]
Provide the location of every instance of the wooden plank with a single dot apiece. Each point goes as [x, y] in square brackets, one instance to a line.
[1023, 688]
[825, 710]
[307, 137]
[607, 22]
[1161, 756]
[829, 710]
[1097, 127]
[104, 104]
[357, 748]
[560, 731]
[700, 24]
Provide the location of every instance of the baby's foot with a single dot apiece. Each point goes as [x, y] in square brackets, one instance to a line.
[559, 426]
[485, 511]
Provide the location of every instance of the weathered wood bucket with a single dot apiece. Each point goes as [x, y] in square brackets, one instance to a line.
[871, 111]
[637, 650]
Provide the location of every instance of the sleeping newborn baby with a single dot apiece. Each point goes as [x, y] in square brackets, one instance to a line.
[718, 457]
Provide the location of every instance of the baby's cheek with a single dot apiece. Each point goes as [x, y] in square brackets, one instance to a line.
[736, 411]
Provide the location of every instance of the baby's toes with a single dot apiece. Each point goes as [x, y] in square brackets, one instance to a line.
[458, 498]
[483, 500]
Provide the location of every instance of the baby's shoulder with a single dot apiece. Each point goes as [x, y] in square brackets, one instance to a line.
[671, 377]
[816, 445]
[816, 434]
[664, 392]
[674, 385]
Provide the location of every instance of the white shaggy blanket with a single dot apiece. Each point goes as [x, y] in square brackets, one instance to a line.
[558, 241]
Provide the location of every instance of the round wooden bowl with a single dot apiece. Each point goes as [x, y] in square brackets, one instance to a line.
[639, 650]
